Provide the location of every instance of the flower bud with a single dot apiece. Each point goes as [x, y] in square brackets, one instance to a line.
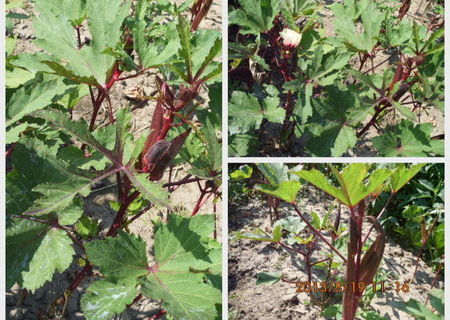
[291, 38]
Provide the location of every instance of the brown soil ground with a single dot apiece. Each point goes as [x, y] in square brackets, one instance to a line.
[246, 258]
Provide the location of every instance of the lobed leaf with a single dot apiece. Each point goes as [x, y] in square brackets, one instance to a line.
[54, 253]
[23, 238]
[286, 190]
[353, 181]
[105, 299]
[255, 16]
[402, 174]
[184, 254]
[121, 258]
[29, 98]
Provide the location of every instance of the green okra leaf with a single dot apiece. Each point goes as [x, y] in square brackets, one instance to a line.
[55, 253]
[105, 299]
[286, 190]
[121, 258]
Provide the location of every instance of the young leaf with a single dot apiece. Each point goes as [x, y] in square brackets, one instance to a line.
[207, 45]
[319, 180]
[268, 278]
[60, 197]
[184, 295]
[186, 245]
[277, 232]
[123, 124]
[247, 112]
[184, 32]
[256, 237]
[371, 19]
[352, 181]
[74, 10]
[87, 227]
[105, 28]
[244, 172]
[293, 224]
[33, 155]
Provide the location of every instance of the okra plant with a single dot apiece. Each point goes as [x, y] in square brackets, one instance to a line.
[322, 242]
[342, 79]
[56, 160]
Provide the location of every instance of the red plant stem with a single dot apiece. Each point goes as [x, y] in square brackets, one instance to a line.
[372, 121]
[136, 299]
[140, 72]
[292, 248]
[9, 150]
[318, 233]
[75, 240]
[158, 315]
[383, 210]
[181, 182]
[199, 203]
[404, 88]
[53, 224]
[200, 8]
[320, 261]
[96, 106]
[215, 221]
[103, 93]
[79, 278]
[79, 37]
[42, 221]
[169, 188]
[362, 60]
[438, 271]
[376, 66]
[357, 215]
[423, 245]
[119, 187]
[117, 224]
[139, 214]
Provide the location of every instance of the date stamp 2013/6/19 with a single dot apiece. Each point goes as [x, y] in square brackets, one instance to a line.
[343, 286]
